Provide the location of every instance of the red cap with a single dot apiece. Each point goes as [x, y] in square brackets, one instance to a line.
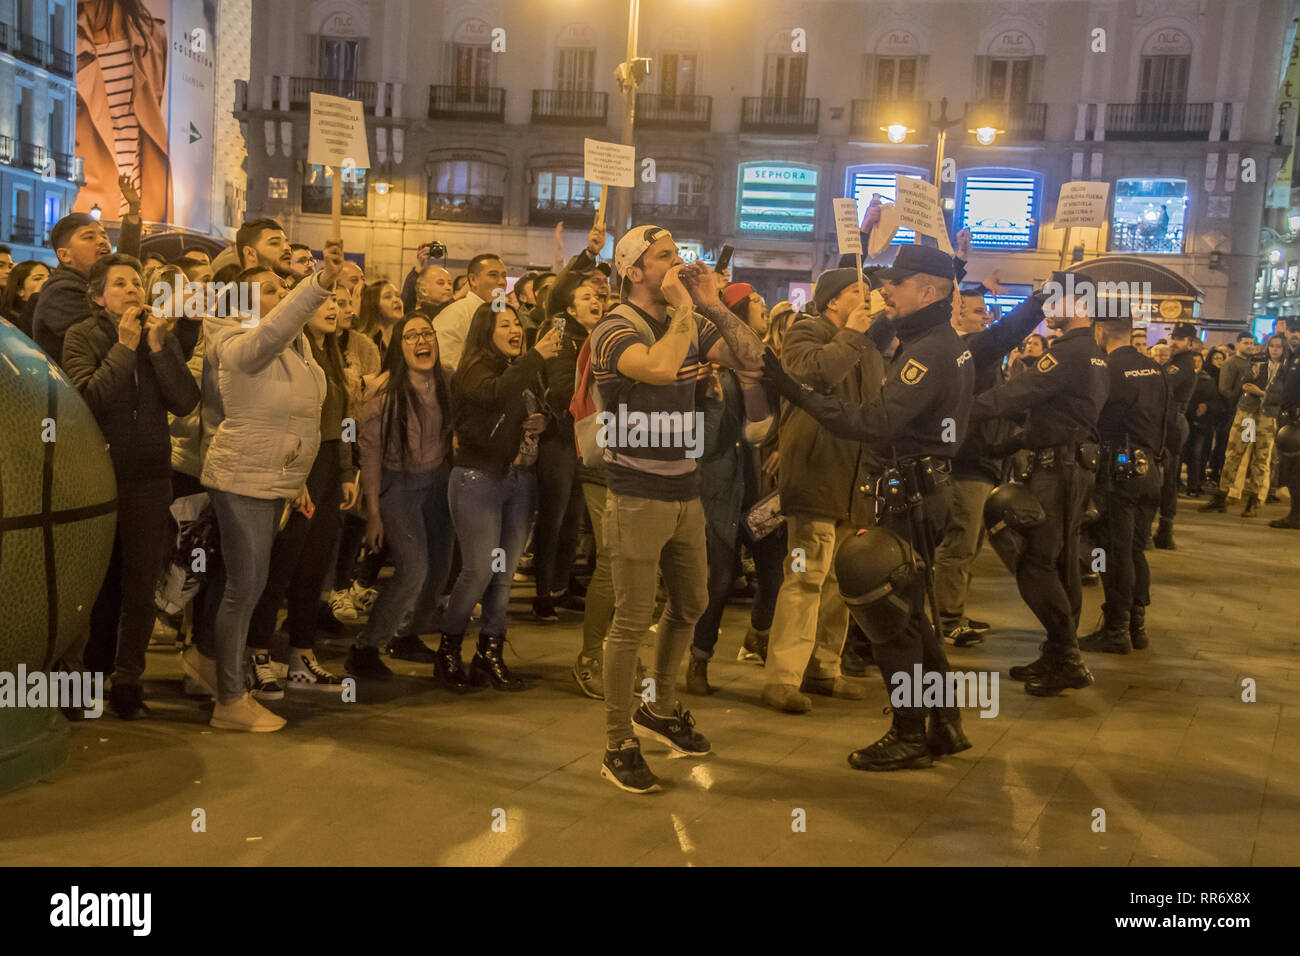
[735, 292]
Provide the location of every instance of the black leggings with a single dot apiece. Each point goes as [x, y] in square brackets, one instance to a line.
[560, 506]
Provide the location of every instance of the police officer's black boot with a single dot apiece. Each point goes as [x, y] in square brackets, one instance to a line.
[1218, 503]
[1113, 635]
[1023, 672]
[902, 748]
[945, 735]
[1063, 671]
[1164, 537]
[1137, 627]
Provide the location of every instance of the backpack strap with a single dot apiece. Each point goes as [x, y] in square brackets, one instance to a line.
[643, 330]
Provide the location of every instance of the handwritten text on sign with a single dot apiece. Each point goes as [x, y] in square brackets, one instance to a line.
[846, 226]
[1082, 204]
[338, 132]
[610, 164]
[918, 208]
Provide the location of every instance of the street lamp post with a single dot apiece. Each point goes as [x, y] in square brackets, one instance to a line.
[620, 212]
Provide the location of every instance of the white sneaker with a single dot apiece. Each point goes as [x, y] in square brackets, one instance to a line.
[244, 713]
[342, 608]
[306, 673]
[363, 599]
[281, 671]
[200, 672]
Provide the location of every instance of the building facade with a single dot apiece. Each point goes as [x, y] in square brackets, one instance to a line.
[757, 115]
[39, 175]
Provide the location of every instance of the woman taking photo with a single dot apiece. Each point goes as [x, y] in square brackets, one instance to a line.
[25, 280]
[497, 393]
[405, 438]
[271, 389]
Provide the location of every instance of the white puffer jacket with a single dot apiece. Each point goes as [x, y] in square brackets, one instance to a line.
[271, 391]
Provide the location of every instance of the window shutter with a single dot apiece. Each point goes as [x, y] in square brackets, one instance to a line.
[981, 77]
[922, 74]
[1037, 77]
[868, 76]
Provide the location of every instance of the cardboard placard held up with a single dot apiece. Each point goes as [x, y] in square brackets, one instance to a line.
[878, 239]
[610, 164]
[337, 133]
[846, 226]
[1082, 203]
[918, 208]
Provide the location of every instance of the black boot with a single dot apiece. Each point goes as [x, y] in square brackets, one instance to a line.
[1137, 627]
[364, 661]
[697, 677]
[1061, 673]
[945, 735]
[1023, 672]
[489, 667]
[1164, 539]
[902, 748]
[1112, 637]
[1218, 503]
[1252, 507]
[409, 647]
[447, 665]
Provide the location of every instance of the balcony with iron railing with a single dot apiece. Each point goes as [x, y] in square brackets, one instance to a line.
[459, 207]
[869, 116]
[22, 230]
[659, 111]
[6, 149]
[301, 88]
[1159, 121]
[62, 62]
[577, 213]
[1019, 122]
[67, 166]
[317, 198]
[480, 103]
[779, 114]
[672, 215]
[570, 107]
[33, 157]
[30, 48]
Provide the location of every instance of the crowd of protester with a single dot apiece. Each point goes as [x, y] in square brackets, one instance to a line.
[436, 428]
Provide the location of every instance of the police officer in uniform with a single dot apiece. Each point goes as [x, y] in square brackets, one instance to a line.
[1181, 371]
[1133, 427]
[1288, 425]
[916, 425]
[1062, 394]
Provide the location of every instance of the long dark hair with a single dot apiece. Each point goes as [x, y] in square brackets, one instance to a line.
[398, 394]
[479, 346]
[134, 16]
[329, 356]
[369, 319]
[11, 293]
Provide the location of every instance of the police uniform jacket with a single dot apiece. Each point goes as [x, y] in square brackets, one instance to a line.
[1182, 379]
[924, 403]
[1063, 392]
[1135, 411]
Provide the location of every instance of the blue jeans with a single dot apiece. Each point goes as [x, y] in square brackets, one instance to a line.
[421, 553]
[491, 517]
[248, 527]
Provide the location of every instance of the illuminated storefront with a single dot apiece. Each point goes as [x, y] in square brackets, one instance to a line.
[862, 181]
[1000, 207]
[1149, 216]
[776, 199]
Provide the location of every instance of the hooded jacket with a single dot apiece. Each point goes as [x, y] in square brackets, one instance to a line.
[489, 408]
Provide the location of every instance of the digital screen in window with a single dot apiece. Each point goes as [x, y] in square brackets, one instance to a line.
[862, 184]
[999, 211]
[776, 199]
[1149, 216]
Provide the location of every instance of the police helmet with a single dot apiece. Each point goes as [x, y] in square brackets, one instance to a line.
[1012, 505]
[1287, 440]
[877, 580]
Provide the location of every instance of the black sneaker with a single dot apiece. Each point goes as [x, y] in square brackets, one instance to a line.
[963, 635]
[409, 647]
[127, 701]
[567, 601]
[627, 770]
[262, 680]
[364, 661]
[975, 625]
[677, 731]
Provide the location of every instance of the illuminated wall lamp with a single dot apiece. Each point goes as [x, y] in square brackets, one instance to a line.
[896, 132]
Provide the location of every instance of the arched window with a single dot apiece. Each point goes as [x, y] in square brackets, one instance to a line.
[1149, 216]
[466, 190]
[1000, 206]
[1162, 75]
[896, 67]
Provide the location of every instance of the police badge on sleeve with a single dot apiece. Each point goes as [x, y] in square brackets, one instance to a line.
[912, 372]
[1047, 362]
